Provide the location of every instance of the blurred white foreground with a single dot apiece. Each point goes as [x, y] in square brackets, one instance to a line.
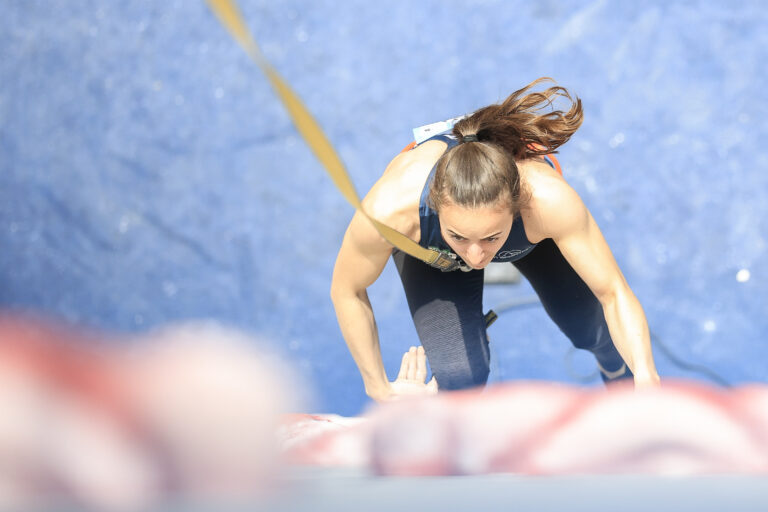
[197, 417]
[186, 415]
[539, 428]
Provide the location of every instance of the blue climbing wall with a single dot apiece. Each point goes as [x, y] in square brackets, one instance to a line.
[148, 175]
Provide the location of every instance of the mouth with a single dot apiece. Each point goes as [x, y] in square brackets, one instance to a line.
[481, 266]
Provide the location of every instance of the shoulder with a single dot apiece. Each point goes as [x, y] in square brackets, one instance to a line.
[554, 208]
[394, 198]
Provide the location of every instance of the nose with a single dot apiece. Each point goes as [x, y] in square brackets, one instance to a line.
[475, 255]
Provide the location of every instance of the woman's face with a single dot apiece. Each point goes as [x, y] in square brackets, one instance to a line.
[476, 234]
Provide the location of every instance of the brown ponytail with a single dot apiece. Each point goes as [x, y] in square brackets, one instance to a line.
[481, 170]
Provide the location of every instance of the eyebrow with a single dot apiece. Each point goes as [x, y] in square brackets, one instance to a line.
[462, 236]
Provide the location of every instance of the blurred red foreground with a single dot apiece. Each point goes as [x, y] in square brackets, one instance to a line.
[198, 412]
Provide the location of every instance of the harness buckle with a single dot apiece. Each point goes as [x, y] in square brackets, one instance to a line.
[448, 262]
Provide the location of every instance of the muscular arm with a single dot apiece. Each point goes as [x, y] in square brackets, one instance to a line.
[393, 200]
[361, 259]
[582, 244]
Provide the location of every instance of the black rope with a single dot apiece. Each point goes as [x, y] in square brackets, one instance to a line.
[695, 368]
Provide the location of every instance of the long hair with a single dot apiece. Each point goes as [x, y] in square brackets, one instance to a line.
[481, 169]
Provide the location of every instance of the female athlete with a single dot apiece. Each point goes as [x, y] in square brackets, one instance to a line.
[487, 191]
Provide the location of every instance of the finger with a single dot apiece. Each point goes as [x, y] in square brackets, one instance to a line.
[421, 364]
[403, 373]
[412, 364]
[432, 386]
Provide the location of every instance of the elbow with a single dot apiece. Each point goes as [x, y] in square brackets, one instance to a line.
[337, 288]
[339, 291]
[607, 298]
[610, 295]
[343, 293]
[334, 291]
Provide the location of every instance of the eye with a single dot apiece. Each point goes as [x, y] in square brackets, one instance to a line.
[458, 238]
[491, 239]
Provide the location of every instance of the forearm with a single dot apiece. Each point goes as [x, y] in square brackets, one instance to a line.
[629, 331]
[358, 327]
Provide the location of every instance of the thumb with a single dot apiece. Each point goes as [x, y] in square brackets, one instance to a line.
[432, 385]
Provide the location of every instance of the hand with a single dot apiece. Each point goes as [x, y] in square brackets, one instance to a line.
[413, 373]
[645, 380]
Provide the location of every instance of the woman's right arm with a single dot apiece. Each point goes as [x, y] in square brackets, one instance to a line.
[394, 201]
[361, 259]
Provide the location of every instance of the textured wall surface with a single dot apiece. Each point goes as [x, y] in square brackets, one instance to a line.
[148, 174]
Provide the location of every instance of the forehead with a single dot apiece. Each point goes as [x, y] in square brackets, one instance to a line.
[477, 222]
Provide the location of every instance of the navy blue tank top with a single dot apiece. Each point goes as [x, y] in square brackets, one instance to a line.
[516, 246]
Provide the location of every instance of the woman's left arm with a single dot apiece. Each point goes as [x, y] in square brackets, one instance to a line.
[568, 222]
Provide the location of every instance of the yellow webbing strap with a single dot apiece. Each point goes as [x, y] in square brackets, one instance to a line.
[230, 17]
